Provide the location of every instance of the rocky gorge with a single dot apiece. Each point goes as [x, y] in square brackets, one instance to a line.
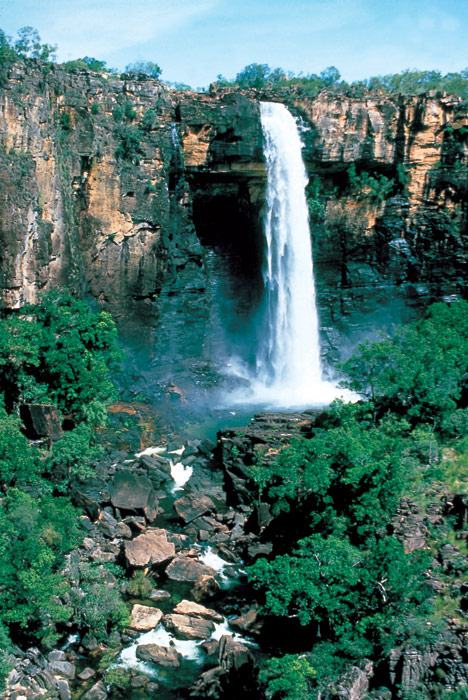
[148, 202]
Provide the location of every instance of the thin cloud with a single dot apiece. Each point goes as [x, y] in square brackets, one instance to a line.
[99, 29]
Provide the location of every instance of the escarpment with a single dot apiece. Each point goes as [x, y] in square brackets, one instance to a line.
[122, 189]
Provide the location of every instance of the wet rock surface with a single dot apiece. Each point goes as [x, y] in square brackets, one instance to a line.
[162, 656]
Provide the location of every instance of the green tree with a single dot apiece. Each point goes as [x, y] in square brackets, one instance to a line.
[18, 462]
[97, 603]
[419, 371]
[59, 344]
[28, 44]
[289, 677]
[147, 67]
[34, 535]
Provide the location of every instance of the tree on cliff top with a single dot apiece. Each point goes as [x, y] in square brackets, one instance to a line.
[147, 67]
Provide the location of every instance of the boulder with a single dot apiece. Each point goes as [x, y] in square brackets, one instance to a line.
[96, 692]
[150, 510]
[62, 668]
[192, 506]
[130, 491]
[63, 690]
[41, 420]
[86, 674]
[247, 623]
[352, 685]
[163, 656]
[187, 607]
[209, 684]
[149, 548]
[144, 617]
[187, 569]
[205, 587]
[187, 627]
[233, 655]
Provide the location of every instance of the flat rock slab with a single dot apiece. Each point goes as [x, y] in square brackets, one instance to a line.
[187, 627]
[193, 506]
[187, 607]
[149, 548]
[131, 492]
[163, 656]
[187, 569]
[144, 617]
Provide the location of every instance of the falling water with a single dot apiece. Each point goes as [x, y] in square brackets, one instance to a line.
[288, 367]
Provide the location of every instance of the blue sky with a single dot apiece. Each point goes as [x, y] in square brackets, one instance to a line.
[195, 40]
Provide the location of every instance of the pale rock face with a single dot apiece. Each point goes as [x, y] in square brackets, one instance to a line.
[144, 617]
[150, 548]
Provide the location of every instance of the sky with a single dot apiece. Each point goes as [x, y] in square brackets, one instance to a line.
[194, 41]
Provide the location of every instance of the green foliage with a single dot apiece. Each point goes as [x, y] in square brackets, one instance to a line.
[349, 476]
[18, 462]
[375, 187]
[70, 457]
[129, 148]
[64, 121]
[419, 371]
[28, 44]
[125, 112]
[97, 603]
[118, 679]
[61, 345]
[455, 425]
[35, 533]
[150, 120]
[147, 67]
[350, 593]
[87, 63]
[414, 82]
[408, 82]
[316, 202]
[258, 75]
[95, 108]
[288, 677]
[140, 585]
[7, 53]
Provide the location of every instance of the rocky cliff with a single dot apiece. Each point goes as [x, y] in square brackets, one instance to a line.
[134, 194]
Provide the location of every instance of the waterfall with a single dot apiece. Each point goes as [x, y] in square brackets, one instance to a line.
[288, 371]
[289, 351]
[288, 367]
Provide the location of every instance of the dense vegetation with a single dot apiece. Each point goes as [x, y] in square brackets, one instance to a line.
[408, 82]
[61, 354]
[336, 569]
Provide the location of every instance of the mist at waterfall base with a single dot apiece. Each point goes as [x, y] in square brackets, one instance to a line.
[287, 372]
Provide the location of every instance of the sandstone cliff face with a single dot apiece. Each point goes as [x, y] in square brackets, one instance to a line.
[94, 194]
[124, 190]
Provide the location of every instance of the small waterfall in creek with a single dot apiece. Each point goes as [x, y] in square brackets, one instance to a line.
[288, 370]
